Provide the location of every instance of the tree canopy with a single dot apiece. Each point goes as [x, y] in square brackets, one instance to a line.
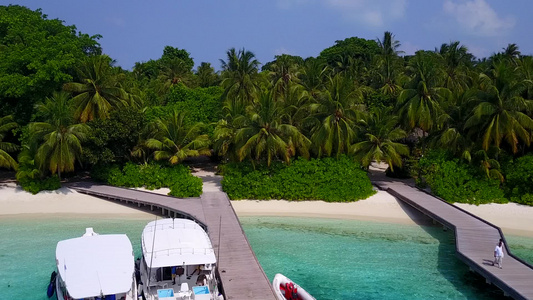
[38, 55]
[358, 99]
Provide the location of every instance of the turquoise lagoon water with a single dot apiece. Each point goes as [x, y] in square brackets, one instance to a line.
[28, 244]
[333, 259]
[347, 259]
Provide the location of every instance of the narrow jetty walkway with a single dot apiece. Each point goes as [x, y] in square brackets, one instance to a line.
[475, 239]
[241, 274]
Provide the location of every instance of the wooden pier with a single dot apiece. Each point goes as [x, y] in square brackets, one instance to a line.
[239, 271]
[475, 240]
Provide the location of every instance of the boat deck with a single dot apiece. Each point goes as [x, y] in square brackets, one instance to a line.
[475, 240]
[240, 273]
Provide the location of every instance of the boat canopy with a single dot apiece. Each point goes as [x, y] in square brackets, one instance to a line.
[176, 242]
[96, 265]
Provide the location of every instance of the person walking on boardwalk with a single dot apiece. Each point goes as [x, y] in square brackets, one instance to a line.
[498, 254]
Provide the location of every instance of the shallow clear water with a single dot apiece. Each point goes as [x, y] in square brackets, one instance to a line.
[347, 259]
[332, 259]
[28, 244]
[521, 247]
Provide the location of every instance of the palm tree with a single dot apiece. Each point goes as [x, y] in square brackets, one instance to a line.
[348, 66]
[380, 131]
[174, 141]
[501, 111]
[206, 75]
[388, 66]
[6, 161]
[389, 46]
[239, 75]
[265, 134]
[283, 71]
[59, 138]
[174, 71]
[296, 108]
[457, 62]
[224, 134]
[511, 53]
[420, 103]
[98, 91]
[336, 114]
[525, 71]
[488, 165]
[452, 135]
[313, 75]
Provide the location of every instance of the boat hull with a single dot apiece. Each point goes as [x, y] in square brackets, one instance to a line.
[281, 283]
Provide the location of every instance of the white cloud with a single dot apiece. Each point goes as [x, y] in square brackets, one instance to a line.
[478, 17]
[374, 13]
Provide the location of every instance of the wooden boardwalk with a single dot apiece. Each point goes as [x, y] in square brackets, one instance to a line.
[240, 273]
[475, 240]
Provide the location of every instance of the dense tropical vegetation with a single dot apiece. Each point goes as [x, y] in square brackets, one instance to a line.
[459, 124]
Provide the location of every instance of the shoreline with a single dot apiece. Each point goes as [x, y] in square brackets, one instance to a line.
[514, 219]
[64, 201]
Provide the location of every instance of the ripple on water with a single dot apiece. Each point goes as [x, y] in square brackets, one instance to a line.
[333, 259]
[349, 259]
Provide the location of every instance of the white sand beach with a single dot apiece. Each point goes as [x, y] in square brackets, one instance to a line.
[15, 201]
[513, 218]
[380, 207]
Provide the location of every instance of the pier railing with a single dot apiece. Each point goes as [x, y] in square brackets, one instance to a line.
[475, 238]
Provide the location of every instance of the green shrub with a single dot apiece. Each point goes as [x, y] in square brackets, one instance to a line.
[30, 178]
[189, 186]
[35, 185]
[526, 199]
[328, 179]
[519, 180]
[201, 104]
[152, 176]
[456, 181]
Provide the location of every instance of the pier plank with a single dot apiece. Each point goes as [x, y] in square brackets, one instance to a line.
[241, 275]
[475, 240]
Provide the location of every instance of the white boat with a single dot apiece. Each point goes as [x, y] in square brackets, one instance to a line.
[178, 261]
[94, 267]
[286, 289]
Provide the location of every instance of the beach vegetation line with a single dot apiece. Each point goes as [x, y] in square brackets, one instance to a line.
[328, 179]
[151, 176]
[358, 98]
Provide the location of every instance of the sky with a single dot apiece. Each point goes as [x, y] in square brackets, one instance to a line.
[138, 30]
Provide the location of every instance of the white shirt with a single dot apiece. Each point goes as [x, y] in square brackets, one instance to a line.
[499, 250]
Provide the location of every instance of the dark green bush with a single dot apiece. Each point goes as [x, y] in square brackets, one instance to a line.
[519, 180]
[111, 140]
[201, 104]
[457, 181]
[35, 185]
[152, 176]
[328, 179]
[189, 186]
[30, 178]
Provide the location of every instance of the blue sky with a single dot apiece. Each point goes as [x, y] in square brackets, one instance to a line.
[136, 30]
